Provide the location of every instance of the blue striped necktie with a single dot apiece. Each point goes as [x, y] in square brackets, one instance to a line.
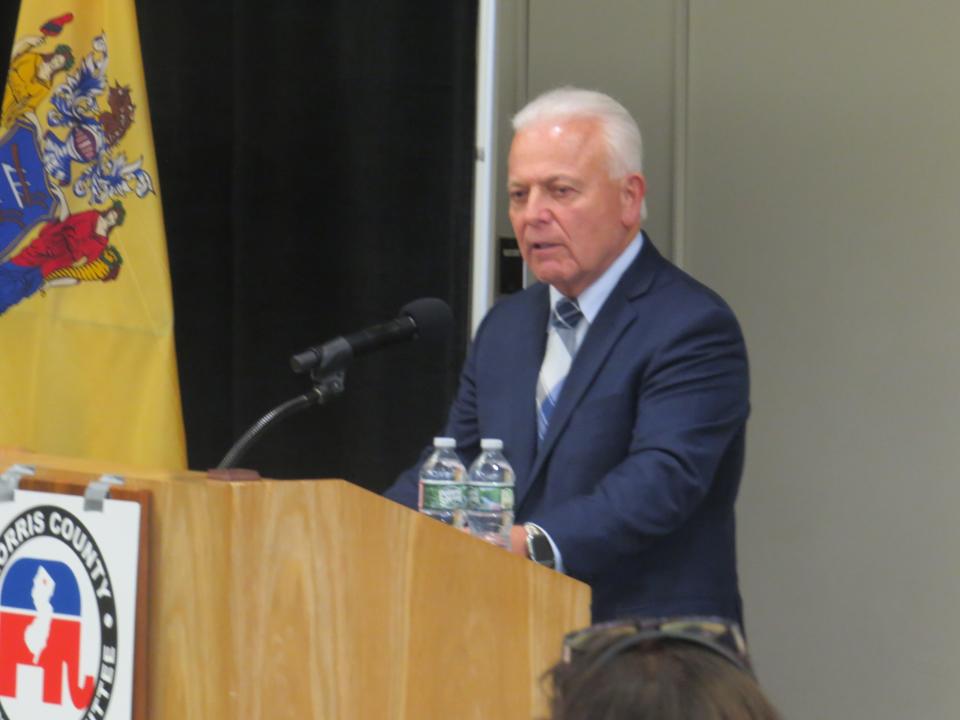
[561, 347]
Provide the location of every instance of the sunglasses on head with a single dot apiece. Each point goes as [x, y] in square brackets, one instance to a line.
[719, 635]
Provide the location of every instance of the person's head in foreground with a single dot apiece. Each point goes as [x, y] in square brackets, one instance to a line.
[678, 669]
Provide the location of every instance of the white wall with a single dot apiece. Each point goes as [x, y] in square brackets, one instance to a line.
[821, 197]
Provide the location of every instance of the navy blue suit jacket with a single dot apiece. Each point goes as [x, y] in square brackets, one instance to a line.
[636, 478]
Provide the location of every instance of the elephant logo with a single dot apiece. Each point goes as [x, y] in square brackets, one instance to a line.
[57, 620]
[40, 626]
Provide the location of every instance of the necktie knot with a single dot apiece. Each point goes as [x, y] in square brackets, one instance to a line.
[566, 314]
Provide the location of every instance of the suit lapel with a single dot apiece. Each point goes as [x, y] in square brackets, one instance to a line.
[530, 345]
[616, 315]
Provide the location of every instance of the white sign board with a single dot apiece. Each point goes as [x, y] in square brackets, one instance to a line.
[68, 598]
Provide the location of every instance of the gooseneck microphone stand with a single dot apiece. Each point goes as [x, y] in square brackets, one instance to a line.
[426, 318]
[325, 388]
[328, 378]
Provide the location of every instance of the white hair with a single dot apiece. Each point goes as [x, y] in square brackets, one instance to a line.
[620, 130]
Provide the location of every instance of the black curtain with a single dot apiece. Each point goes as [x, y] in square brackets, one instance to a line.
[315, 163]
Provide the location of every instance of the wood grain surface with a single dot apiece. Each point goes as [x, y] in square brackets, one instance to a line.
[317, 599]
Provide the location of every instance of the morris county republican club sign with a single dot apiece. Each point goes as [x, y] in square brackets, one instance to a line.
[66, 630]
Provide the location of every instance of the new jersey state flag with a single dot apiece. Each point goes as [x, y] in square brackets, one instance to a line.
[87, 361]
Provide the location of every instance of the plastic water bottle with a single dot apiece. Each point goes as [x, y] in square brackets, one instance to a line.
[490, 495]
[442, 488]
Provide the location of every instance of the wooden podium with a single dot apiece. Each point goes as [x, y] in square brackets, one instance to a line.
[301, 599]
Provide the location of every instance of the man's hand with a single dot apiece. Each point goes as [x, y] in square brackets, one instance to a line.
[518, 540]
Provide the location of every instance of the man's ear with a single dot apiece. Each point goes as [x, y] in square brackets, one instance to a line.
[633, 189]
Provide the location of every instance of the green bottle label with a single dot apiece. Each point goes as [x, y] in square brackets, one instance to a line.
[442, 496]
[490, 496]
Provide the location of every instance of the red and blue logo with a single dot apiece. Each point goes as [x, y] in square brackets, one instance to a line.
[58, 634]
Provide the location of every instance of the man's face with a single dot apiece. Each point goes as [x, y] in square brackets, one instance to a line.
[57, 62]
[571, 219]
[111, 218]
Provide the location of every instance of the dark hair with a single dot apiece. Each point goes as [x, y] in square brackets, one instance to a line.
[636, 678]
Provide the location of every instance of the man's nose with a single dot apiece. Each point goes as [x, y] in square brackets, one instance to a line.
[537, 208]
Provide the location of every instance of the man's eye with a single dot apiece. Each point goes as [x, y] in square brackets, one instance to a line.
[517, 195]
[562, 191]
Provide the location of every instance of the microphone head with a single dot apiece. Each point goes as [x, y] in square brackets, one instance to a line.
[432, 317]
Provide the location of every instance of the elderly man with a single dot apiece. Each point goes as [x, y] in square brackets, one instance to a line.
[618, 384]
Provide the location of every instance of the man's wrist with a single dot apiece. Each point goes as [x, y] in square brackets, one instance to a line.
[518, 540]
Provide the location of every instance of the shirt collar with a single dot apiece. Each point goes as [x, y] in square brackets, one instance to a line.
[593, 298]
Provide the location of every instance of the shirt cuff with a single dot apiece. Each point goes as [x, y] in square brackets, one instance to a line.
[557, 557]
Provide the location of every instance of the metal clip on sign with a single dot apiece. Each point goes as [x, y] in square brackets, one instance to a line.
[98, 491]
[10, 480]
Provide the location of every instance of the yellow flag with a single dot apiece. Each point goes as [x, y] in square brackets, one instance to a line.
[87, 362]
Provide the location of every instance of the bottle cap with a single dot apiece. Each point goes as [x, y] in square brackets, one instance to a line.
[491, 444]
[444, 442]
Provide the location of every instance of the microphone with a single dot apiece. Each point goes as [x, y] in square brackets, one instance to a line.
[428, 319]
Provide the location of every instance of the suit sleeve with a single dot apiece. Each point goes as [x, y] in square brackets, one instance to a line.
[691, 408]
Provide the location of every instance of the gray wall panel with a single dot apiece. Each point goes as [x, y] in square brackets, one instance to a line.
[822, 202]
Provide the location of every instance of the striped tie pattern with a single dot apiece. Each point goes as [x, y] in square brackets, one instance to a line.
[561, 347]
